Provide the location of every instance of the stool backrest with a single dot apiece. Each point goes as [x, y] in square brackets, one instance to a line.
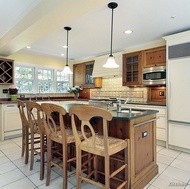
[53, 120]
[35, 116]
[85, 115]
[23, 114]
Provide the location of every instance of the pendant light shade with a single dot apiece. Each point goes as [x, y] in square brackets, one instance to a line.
[111, 60]
[66, 69]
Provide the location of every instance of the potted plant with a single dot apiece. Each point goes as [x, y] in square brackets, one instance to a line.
[13, 92]
[75, 90]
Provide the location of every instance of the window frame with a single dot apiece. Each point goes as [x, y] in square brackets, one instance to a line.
[36, 80]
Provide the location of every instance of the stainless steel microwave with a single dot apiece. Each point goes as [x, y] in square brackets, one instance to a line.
[154, 75]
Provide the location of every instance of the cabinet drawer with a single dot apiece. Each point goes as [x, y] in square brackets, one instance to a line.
[179, 135]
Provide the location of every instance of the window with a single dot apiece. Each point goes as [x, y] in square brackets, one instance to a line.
[31, 79]
[63, 82]
[45, 80]
[24, 77]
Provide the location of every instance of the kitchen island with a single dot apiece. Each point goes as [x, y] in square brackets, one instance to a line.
[140, 127]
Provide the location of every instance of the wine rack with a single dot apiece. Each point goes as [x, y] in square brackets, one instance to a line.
[6, 71]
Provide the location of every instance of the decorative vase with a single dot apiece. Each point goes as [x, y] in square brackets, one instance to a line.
[76, 96]
[13, 97]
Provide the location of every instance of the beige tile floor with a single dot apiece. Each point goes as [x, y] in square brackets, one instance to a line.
[174, 170]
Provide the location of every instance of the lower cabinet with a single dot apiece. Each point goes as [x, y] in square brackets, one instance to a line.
[10, 122]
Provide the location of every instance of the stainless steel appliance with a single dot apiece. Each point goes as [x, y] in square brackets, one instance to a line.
[154, 75]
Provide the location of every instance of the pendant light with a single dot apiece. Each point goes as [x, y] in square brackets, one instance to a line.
[66, 69]
[111, 60]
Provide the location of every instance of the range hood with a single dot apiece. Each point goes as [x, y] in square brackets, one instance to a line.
[100, 71]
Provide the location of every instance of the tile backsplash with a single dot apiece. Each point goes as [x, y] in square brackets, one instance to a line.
[112, 88]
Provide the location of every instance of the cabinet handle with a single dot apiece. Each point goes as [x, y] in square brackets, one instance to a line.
[11, 105]
[142, 123]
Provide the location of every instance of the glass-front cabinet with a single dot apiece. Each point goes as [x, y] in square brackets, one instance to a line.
[132, 69]
[88, 73]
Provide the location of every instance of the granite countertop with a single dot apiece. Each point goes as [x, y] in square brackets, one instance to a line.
[149, 103]
[122, 116]
[8, 101]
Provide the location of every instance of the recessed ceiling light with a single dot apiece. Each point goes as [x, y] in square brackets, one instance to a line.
[128, 31]
[173, 16]
[64, 46]
[28, 47]
[62, 54]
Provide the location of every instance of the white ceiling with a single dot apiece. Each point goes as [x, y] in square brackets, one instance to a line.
[40, 23]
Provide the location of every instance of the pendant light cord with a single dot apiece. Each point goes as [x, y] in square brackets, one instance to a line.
[67, 48]
[111, 33]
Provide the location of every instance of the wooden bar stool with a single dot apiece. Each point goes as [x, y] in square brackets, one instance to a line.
[25, 130]
[99, 145]
[58, 133]
[38, 135]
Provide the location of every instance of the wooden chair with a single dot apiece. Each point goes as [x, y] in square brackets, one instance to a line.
[25, 130]
[57, 133]
[38, 135]
[99, 145]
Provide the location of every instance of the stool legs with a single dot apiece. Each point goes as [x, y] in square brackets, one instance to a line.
[107, 172]
[49, 156]
[78, 168]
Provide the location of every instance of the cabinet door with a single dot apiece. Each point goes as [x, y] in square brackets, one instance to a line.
[179, 134]
[89, 80]
[6, 71]
[132, 69]
[78, 75]
[155, 57]
[11, 125]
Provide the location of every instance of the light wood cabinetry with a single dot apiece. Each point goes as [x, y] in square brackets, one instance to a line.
[83, 75]
[6, 71]
[154, 57]
[142, 138]
[78, 74]
[10, 122]
[132, 69]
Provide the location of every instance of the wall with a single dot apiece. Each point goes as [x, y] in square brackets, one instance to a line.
[112, 88]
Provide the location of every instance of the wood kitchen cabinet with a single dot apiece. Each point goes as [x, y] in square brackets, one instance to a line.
[154, 57]
[82, 75]
[78, 74]
[6, 71]
[132, 69]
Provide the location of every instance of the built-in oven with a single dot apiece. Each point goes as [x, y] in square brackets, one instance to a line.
[154, 75]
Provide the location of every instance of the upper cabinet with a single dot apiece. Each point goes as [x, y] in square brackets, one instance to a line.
[154, 57]
[82, 74]
[6, 71]
[78, 74]
[132, 69]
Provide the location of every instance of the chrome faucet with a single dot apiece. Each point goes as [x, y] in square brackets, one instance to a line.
[127, 100]
[118, 105]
